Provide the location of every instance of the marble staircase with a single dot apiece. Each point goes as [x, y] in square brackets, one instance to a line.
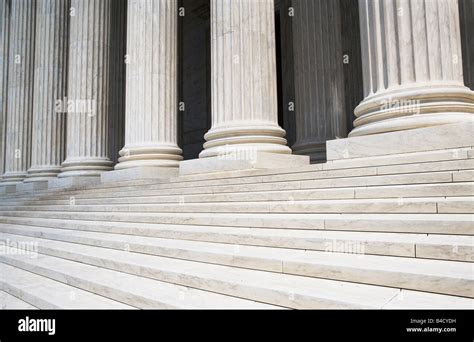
[384, 232]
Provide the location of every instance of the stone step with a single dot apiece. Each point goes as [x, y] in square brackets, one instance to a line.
[9, 302]
[282, 290]
[279, 289]
[312, 175]
[403, 158]
[45, 293]
[138, 292]
[418, 190]
[342, 182]
[238, 243]
[414, 159]
[463, 176]
[455, 165]
[459, 205]
[342, 188]
[240, 179]
[324, 184]
[423, 300]
[451, 224]
[435, 276]
[425, 159]
[377, 192]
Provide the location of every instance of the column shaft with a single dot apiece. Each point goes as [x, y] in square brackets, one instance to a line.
[92, 95]
[52, 18]
[151, 97]
[244, 89]
[4, 48]
[20, 90]
[319, 78]
[412, 66]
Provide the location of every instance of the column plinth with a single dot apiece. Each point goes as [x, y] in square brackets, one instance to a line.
[244, 88]
[151, 96]
[412, 66]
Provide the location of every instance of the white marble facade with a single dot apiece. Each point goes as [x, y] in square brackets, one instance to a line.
[92, 86]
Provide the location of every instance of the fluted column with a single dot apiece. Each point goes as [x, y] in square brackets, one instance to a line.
[20, 90]
[91, 92]
[412, 66]
[319, 87]
[151, 85]
[50, 89]
[244, 89]
[4, 48]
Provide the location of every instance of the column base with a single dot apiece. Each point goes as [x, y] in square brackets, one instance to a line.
[85, 167]
[73, 182]
[407, 108]
[146, 156]
[139, 173]
[42, 173]
[416, 140]
[245, 138]
[235, 162]
[13, 178]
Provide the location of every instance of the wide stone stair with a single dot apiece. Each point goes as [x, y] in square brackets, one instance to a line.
[387, 232]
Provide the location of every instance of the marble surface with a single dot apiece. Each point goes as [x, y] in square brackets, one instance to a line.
[411, 79]
[32, 186]
[281, 290]
[45, 293]
[124, 287]
[151, 117]
[71, 182]
[50, 82]
[138, 173]
[375, 233]
[233, 161]
[95, 88]
[417, 140]
[20, 91]
[243, 80]
[251, 284]
[9, 302]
